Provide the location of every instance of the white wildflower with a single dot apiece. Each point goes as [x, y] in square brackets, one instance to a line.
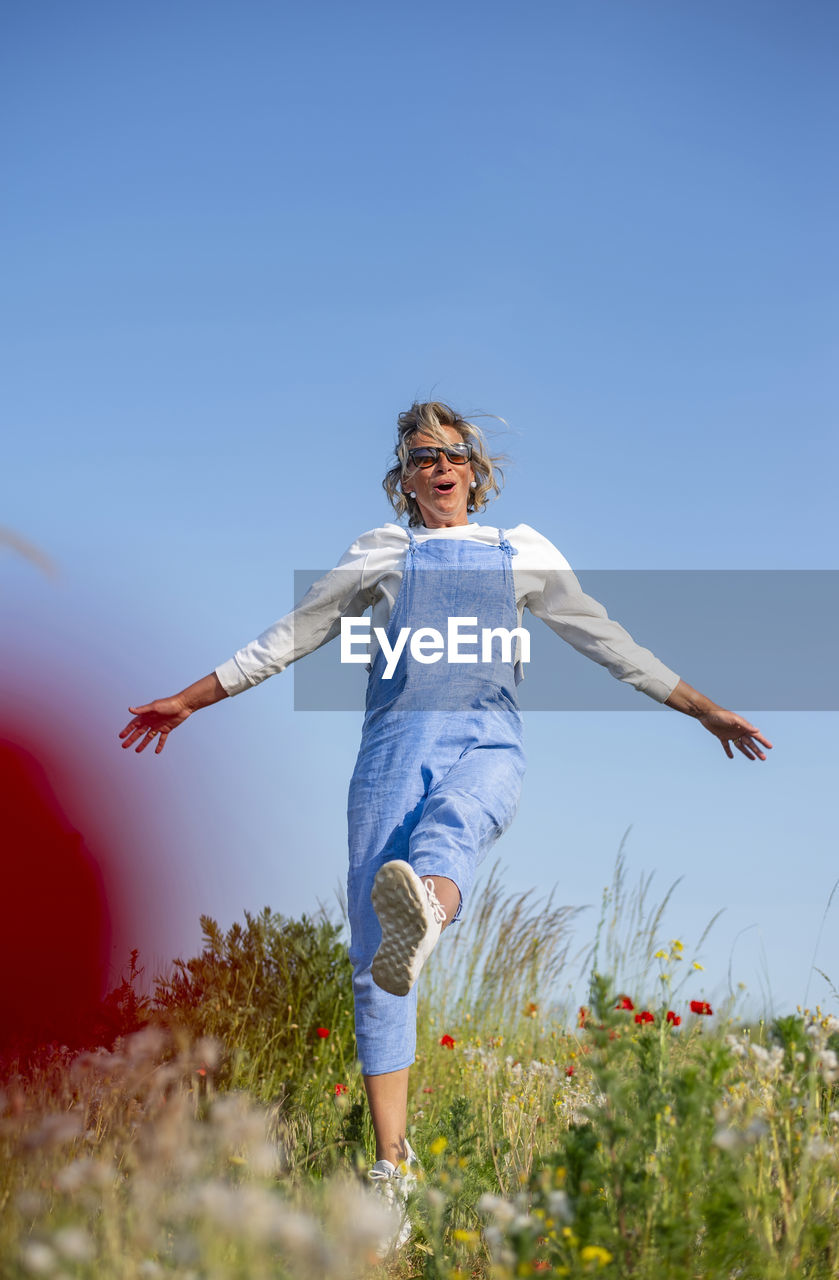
[145, 1046]
[37, 1258]
[829, 1065]
[769, 1061]
[74, 1244]
[250, 1211]
[55, 1130]
[83, 1173]
[729, 1140]
[301, 1235]
[358, 1217]
[185, 1248]
[207, 1052]
[494, 1238]
[99, 1062]
[496, 1207]
[559, 1206]
[29, 1203]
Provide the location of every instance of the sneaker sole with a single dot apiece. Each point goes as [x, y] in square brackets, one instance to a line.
[398, 902]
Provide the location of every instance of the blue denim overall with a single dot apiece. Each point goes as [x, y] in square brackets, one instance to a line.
[439, 770]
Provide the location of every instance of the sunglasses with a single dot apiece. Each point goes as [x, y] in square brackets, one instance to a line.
[457, 454]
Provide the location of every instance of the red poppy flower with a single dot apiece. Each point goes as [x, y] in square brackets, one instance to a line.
[447, 1042]
[646, 1016]
[582, 1016]
[541, 1266]
[323, 1032]
[339, 1089]
[569, 1071]
[674, 1018]
[700, 1006]
[624, 1002]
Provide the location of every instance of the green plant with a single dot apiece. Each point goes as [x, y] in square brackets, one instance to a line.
[276, 993]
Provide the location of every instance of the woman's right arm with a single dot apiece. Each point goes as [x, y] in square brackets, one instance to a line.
[314, 621]
[164, 715]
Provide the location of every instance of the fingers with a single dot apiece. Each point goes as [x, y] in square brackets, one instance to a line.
[745, 737]
[131, 733]
[748, 747]
[149, 736]
[752, 731]
[143, 735]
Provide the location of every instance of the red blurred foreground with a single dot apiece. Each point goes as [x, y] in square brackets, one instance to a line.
[54, 924]
[55, 921]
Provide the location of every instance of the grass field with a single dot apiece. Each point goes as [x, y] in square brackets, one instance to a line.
[646, 1135]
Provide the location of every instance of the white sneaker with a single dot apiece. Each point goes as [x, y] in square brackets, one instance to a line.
[394, 1183]
[412, 919]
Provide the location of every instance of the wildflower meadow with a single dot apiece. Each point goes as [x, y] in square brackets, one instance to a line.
[221, 1131]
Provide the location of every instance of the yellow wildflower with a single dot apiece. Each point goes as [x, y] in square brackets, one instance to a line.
[596, 1253]
[438, 1146]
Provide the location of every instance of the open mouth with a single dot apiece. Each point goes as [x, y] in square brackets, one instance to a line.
[445, 487]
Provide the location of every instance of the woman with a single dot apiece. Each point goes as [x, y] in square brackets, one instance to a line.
[440, 764]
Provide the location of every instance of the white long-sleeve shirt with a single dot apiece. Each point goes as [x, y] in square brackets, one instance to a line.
[369, 574]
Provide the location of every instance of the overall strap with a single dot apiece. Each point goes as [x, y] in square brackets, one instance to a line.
[504, 545]
[412, 543]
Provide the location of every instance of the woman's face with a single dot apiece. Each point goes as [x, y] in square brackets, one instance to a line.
[442, 490]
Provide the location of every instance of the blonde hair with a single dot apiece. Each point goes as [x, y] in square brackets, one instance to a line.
[430, 419]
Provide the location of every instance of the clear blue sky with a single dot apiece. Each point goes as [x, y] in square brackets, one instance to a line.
[238, 239]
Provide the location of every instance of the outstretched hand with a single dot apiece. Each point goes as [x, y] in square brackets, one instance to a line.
[733, 730]
[155, 720]
[164, 715]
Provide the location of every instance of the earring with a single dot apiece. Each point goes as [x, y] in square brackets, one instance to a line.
[474, 484]
[412, 494]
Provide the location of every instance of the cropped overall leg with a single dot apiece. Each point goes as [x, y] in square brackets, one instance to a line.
[440, 817]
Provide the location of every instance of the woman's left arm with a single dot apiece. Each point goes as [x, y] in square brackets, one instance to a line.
[730, 728]
[557, 597]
